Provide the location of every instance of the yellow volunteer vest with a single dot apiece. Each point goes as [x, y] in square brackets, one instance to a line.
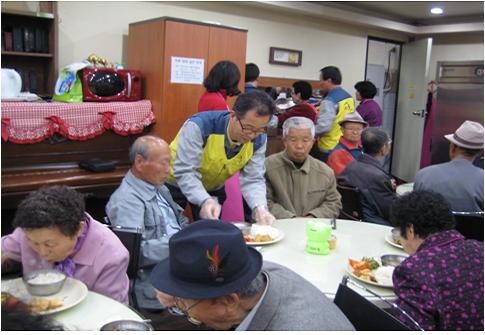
[216, 167]
[329, 140]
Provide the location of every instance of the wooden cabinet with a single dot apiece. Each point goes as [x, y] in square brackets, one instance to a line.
[152, 43]
[29, 45]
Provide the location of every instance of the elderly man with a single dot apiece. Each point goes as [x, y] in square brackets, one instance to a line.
[377, 187]
[459, 181]
[213, 146]
[297, 184]
[336, 104]
[143, 203]
[216, 279]
[349, 147]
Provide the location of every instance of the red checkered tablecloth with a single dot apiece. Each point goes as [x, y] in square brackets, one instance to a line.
[31, 122]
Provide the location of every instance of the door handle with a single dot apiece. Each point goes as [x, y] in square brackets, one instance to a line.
[420, 113]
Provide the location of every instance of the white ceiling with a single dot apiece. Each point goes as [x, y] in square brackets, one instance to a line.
[416, 12]
[409, 17]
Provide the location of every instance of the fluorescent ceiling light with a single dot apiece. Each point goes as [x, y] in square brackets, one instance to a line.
[436, 10]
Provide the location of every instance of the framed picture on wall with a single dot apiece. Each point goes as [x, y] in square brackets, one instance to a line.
[285, 56]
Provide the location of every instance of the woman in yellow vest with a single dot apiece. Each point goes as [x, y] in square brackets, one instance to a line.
[212, 146]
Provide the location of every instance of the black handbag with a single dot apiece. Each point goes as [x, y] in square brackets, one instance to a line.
[97, 165]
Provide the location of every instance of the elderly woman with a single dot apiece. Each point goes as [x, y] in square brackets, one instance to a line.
[53, 231]
[441, 283]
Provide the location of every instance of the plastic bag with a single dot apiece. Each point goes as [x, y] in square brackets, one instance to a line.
[68, 85]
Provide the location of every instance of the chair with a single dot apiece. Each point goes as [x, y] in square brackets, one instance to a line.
[131, 239]
[351, 205]
[470, 224]
[365, 315]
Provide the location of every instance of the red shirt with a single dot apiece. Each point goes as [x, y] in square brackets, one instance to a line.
[304, 109]
[340, 157]
[213, 101]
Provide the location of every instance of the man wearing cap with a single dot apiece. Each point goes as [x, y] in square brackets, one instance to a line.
[297, 184]
[349, 147]
[458, 181]
[216, 279]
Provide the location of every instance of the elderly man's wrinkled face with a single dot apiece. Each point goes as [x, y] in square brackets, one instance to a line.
[351, 131]
[298, 144]
[211, 312]
[156, 168]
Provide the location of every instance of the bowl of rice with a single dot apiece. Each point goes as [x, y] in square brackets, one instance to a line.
[44, 282]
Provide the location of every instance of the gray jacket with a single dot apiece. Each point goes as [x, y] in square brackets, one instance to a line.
[293, 303]
[458, 181]
[134, 205]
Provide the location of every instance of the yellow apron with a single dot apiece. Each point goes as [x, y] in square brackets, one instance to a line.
[329, 140]
[216, 167]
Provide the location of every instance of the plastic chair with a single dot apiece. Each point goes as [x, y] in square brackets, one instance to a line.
[131, 239]
[351, 205]
[470, 224]
[365, 315]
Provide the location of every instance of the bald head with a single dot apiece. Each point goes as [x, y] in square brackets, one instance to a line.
[150, 159]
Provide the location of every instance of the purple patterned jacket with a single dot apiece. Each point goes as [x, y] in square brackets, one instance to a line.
[441, 286]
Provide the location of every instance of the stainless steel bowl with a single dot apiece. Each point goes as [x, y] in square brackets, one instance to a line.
[127, 325]
[392, 260]
[43, 289]
[243, 226]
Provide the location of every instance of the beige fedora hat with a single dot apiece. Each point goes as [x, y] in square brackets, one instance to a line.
[353, 117]
[469, 135]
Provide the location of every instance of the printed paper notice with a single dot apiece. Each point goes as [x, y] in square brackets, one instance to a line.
[187, 70]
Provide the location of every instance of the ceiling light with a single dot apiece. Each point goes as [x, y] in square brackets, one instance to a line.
[437, 10]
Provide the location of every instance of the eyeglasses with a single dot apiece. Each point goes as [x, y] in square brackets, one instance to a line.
[354, 130]
[250, 131]
[180, 309]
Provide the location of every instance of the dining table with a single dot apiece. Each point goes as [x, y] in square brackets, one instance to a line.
[354, 239]
[91, 312]
[404, 188]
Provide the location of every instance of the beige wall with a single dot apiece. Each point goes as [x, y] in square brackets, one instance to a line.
[101, 28]
[86, 28]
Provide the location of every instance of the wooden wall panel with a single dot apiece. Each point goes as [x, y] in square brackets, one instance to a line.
[145, 50]
[284, 82]
[179, 101]
[228, 44]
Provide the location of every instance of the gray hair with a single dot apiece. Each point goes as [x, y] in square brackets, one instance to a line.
[298, 122]
[253, 288]
[373, 139]
[142, 145]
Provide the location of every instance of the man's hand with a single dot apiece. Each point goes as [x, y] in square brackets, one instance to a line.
[210, 209]
[262, 216]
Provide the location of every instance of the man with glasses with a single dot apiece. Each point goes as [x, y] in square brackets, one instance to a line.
[377, 187]
[212, 146]
[218, 281]
[349, 147]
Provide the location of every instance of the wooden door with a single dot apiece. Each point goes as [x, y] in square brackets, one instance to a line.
[228, 44]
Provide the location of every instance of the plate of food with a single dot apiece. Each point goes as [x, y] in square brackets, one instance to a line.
[262, 235]
[371, 271]
[394, 238]
[72, 293]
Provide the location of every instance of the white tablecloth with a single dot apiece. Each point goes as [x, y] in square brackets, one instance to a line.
[93, 312]
[354, 240]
